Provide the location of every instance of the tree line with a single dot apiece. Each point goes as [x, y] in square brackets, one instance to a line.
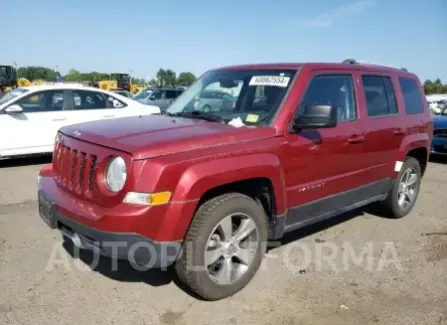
[163, 77]
[435, 87]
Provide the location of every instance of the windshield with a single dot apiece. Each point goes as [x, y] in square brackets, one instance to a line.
[143, 94]
[253, 96]
[12, 94]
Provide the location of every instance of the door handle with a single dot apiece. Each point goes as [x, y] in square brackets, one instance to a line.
[356, 139]
[109, 116]
[59, 119]
[399, 132]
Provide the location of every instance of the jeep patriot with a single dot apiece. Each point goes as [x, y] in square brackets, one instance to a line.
[203, 191]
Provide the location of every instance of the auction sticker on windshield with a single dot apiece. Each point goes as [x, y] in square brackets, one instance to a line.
[269, 81]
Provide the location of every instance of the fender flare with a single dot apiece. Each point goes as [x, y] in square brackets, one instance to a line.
[199, 178]
[413, 141]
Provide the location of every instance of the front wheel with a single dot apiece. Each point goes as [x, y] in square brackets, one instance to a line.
[224, 246]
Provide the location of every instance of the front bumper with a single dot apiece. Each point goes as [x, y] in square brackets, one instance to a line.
[439, 146]
[130, 246]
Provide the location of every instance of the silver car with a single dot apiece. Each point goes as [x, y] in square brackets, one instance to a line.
[163, 97]
[143, 95]
[209, 101]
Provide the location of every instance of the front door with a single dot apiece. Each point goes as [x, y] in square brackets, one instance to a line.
[33, 130]
[156, 98]
[322, 166]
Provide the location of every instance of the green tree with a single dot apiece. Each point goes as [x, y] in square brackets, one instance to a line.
[33, 73]
[166, 77]
[161, 77]
[435, 87]
[186, 79]
[171, 78]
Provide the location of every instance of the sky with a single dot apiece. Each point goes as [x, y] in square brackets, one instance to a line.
[141, 36]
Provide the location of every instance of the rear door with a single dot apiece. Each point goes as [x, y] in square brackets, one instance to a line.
[324, 167]
[89, 105]
[385, 127]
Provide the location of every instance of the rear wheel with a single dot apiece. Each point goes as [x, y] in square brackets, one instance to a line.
[405, 190]
[224, 246]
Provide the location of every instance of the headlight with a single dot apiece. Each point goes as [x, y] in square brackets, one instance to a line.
[116, 174]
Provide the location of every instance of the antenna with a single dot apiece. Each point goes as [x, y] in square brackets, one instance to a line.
[353, 61]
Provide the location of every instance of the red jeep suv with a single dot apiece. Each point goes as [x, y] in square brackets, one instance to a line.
[203, 190]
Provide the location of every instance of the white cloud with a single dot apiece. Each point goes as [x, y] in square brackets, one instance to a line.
[326, 19]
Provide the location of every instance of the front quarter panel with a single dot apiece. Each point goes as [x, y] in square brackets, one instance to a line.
[189, 178]
[199, 178]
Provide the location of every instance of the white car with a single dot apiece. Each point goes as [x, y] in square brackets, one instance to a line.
[437, 102]
[31, 116]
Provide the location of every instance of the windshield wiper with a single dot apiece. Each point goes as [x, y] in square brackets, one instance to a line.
[199, 115]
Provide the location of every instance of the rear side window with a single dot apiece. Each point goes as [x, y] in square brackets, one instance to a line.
[380, 96]
[171, 94]
[412, 96]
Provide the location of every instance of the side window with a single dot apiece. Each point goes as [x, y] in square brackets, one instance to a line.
[156, 94]
[412, 96]
[45, 101]
[83, 99]
[391, 95]
[336, 90]
[379, 94]
[171, 94]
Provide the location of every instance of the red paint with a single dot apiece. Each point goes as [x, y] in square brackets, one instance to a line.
[189, 157]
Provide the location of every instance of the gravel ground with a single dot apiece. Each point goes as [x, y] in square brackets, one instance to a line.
[310, 279]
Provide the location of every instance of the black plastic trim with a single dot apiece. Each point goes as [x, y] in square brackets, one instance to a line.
[128, 246]
[328, 207]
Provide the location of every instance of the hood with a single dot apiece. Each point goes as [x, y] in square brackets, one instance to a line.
[440, 122]
[156, 135]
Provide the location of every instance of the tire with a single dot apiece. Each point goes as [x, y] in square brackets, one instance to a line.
[205, 225]
[206, 108]
[391, 206]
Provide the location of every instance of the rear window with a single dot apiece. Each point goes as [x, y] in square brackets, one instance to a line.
[412, 96]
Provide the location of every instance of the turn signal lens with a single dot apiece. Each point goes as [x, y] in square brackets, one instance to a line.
[147, 198]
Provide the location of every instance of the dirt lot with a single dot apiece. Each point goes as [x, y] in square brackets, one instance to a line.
[310, 279]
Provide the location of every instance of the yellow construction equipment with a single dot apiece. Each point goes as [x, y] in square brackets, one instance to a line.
[23, 82]
[118, 81]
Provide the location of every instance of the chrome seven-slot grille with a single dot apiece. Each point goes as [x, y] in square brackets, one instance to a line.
[75, 170]
[440, 133]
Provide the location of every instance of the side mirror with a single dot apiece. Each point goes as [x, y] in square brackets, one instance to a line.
[316, 117]
[14, 109]
[151, 97]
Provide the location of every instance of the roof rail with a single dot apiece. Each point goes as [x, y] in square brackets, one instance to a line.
[352, 61]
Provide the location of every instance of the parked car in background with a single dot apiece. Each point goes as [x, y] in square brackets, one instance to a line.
[31, 116]
[124, 93]
[143, 95]
[439, 142]
[163, 97]
[437, 102]
[205, 191]
[214, 100]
